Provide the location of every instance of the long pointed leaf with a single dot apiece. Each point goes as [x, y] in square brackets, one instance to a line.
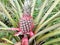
[1, 23]
[49, 35]
[18, 7]
[33, 6]
[7, 40]
[52, 41]
[5, 44]
[8, 15]
[41, 11]
[49, 11]
[44, 31]
[46, 22]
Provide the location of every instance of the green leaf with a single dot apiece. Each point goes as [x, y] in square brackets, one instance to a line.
[5, 44]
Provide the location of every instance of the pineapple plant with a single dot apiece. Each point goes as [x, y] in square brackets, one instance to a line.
[42, 18]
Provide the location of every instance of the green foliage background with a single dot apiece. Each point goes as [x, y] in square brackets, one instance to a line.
[9, 34]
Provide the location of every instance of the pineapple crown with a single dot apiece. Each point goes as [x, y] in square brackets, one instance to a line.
[27, 7]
